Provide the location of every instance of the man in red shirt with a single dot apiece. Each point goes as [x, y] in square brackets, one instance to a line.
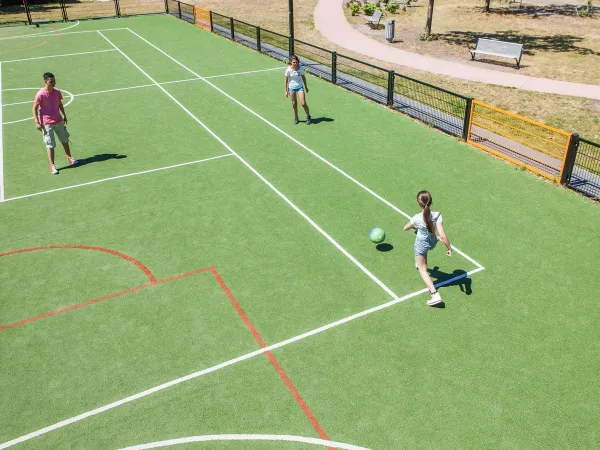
[47, 109]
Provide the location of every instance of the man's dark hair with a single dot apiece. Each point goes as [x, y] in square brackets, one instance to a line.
[48, 75]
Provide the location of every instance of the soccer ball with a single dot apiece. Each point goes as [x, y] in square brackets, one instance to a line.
[377, 235]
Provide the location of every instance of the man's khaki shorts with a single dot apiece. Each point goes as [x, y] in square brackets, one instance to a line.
[48, 134]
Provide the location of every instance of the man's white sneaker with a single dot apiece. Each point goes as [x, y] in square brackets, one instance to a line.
[436, 299]
[53, 169]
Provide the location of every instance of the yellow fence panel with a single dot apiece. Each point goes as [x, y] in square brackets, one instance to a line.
[518, 139]
[202, 17]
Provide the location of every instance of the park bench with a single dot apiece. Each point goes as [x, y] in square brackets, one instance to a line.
[373, 21]
[498, 48]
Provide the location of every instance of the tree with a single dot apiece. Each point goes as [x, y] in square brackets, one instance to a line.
[429, 18]
[487, 5]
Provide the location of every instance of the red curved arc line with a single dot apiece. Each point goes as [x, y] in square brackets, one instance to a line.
[28, 48]
[144, 269]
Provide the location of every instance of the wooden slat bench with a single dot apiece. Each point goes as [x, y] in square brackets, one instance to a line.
[498, 48]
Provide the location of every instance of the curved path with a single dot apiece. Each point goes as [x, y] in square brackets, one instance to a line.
[332, 24]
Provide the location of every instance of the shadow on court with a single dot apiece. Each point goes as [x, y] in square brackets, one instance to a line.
[95, 159]
[463, 283]
[384, 247]
[317, 120]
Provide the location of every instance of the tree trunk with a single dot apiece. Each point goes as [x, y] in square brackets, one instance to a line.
[429, 18]
[487, 5]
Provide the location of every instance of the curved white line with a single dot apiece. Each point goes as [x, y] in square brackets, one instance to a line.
[39, 33]
[37, 89]
[246, 437]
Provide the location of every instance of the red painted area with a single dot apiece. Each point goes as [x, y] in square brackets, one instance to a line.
[23, 49]
[154, 282]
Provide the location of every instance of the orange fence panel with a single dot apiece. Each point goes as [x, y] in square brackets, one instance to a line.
[523, 141]
[202, 17]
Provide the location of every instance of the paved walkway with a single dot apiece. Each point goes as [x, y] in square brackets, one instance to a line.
[331, 22]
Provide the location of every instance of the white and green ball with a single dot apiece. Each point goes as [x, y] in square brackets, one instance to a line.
[377, 235]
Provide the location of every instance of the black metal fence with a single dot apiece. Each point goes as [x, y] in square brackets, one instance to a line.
[584, 168]
[63, 10]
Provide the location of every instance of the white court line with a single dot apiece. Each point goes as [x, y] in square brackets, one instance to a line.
[115, 178]
[50, 33]
[395, 208]
[267, 182]
[39, 33]
[56, 56]
[243, 73]
[1, 143]
[141, 85]
[246, 437]
[71, 98]
[222, 365]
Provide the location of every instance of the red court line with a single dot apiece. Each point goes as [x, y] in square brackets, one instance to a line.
[86, 247]
[22, 49]
[56, 31]
[153, 282]
[313, 420]
[98, 300]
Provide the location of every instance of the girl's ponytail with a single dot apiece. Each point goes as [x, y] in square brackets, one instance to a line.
[424, 199]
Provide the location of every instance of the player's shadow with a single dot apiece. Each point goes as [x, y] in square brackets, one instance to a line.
[464, 282]
[384, 247]
[317, 120]
[95, 159]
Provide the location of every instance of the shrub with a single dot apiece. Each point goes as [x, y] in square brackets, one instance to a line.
[392, 7]
[354, 8]
[369, 9]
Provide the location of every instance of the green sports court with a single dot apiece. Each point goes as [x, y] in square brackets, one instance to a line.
[204, 277]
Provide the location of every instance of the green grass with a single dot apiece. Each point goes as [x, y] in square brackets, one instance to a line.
[509, 362]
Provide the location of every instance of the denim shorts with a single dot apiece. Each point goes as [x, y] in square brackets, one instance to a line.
[298, 89]
[422, 246]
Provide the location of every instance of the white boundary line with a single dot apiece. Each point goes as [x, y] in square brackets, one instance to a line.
[50, 33]
[242, 73]
[1, 143]
[222, 365]
[71, 98]
[56, 56]
[267, 182]
[246, 437]
[39, 33]
[140, 86]
[275, 127]
[117, 177]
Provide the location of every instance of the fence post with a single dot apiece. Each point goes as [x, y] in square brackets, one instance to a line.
[63, 9]
[290, 47]
[258, 39]
[232, 30]
[117, 8]
[167, 6]
[467, 121]
[390, 91]
[334, 67]
[179, 9]
[569, 161]
[212, 30]
[27, 12]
